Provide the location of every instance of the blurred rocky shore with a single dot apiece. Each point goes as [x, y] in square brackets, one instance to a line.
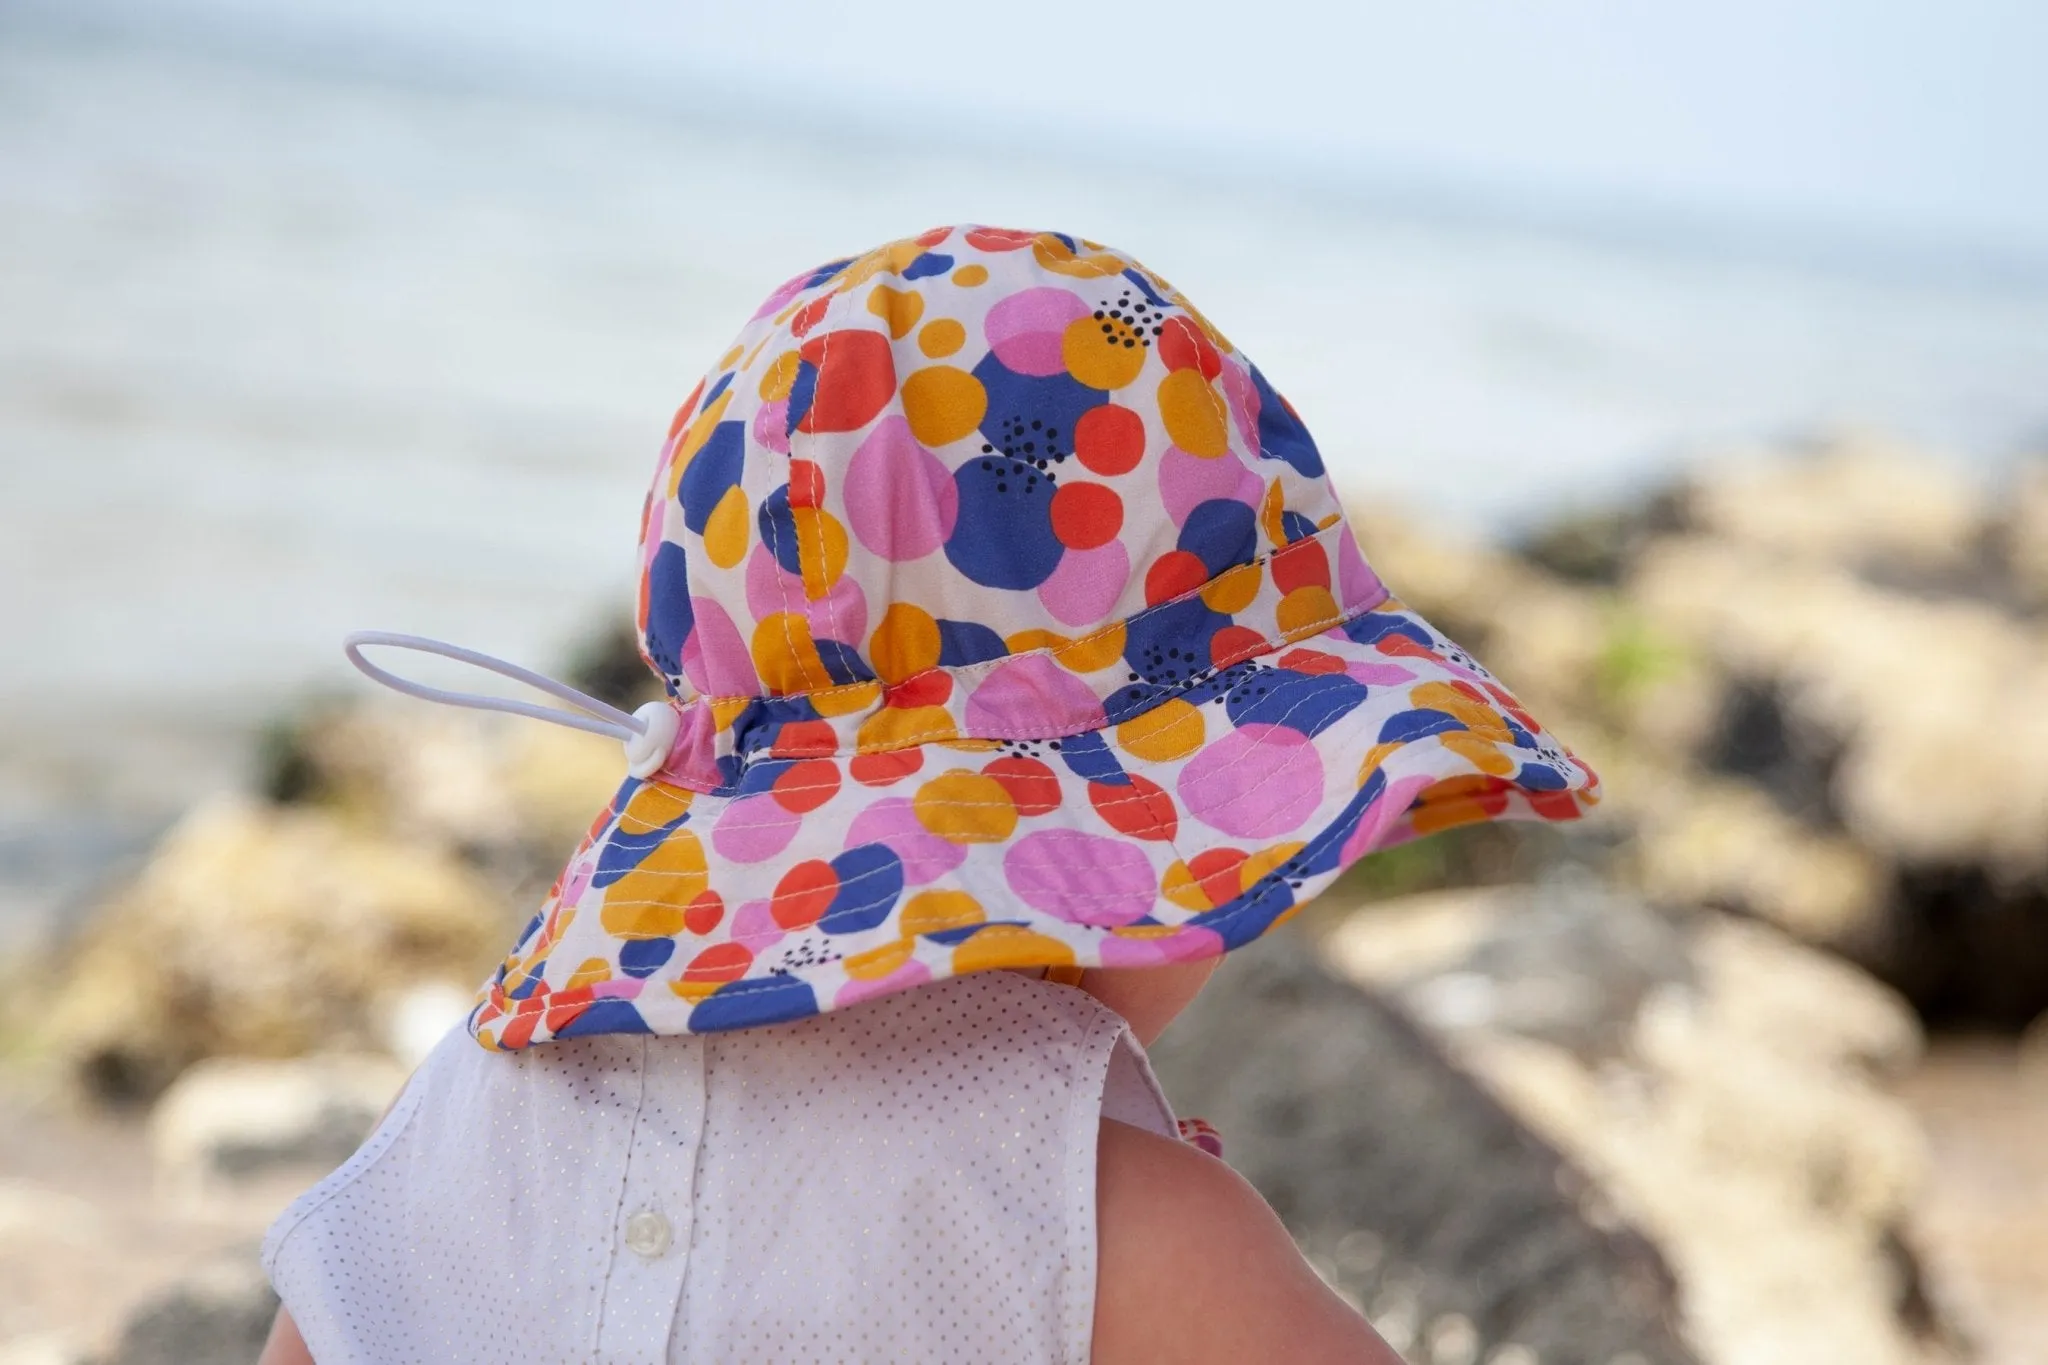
[1624, 1094]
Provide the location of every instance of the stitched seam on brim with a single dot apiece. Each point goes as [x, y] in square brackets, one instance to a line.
[1245, 902]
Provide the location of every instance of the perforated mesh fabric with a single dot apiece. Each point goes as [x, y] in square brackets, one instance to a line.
[913, 1179]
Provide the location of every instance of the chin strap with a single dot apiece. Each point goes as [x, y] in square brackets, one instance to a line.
[647, 733]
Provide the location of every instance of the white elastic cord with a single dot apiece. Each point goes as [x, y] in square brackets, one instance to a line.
[597, 717]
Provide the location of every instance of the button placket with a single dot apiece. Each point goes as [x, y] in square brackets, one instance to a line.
[651, 1234]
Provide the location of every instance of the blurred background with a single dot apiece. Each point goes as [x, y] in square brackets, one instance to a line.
[1688, 362]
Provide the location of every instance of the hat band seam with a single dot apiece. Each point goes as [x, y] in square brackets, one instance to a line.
[956, 727]
[1101, 633]
[1173, 692]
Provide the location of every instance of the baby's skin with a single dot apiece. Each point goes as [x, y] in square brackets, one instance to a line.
[1192, 1266]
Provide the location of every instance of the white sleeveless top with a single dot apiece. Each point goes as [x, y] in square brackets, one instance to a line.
[912, 1179]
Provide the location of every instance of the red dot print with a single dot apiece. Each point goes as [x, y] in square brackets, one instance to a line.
[803, 894]
[705, 913]
[1110, 439]
[1138, 809]
[807, 316]
[1216, 872]
[805, 739]
[998, 239]
[1085, 515]
[684, 412]
[1512, 707]
[1310, 661]
[881, 770]
[1304, 564]
[564, 1007]
[1173, 573]
[1028, 783]
[856, 380]
[1402, 646]
[805, 786]
[1182, 346]
[720, 962]
[929, 688]
[1233, 643]
[519, 1028]
[806, 484]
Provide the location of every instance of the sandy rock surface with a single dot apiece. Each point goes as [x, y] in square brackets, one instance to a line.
[1717, 1082]
[261, 931]
[90, 1235]
[1461, 1233]
[1813, 680]
[1984, 1109]
[231, 1118]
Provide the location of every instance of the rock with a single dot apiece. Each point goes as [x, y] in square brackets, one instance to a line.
[259, 931]
[1714, 1080]
[1594, 545]
[1729, 845]
[1762, 736]
[607, 664]
[1806, 1007]
[43, 1348]
[1903, 726]
[557, 781]
[1968, 945]
[1460, 1234]
[232, 1118]
[466, 779]
[2023, 536]
[33, 1212]
[2033, 1052]
[1657, 695]
[507, 795]
[1854, 501]
[1919, 693]
[1980, 1220]
[220, 1314]
[1544, 967]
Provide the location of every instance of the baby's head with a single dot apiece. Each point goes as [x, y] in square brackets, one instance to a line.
[1007, 618]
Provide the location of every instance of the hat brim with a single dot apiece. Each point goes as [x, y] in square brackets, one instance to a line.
[1181, 832]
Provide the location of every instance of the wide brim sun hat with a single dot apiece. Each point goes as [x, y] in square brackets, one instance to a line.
[1007, 618]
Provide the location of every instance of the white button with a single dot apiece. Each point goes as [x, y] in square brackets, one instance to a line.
[647, 1233]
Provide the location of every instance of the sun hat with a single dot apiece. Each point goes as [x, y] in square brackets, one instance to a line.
[1007, 618]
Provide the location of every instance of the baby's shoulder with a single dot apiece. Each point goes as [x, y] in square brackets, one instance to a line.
[1194, 1266]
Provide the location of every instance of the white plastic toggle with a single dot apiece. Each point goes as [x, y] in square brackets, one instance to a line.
[648, 750]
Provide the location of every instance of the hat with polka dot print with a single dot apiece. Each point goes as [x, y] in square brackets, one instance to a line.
[1007, 618]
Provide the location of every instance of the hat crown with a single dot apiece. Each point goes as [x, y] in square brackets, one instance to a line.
[961, 447]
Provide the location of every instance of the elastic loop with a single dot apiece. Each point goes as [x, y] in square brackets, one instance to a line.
[597, 718]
